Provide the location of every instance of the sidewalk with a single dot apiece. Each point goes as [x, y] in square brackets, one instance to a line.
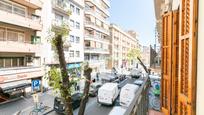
[25, 105]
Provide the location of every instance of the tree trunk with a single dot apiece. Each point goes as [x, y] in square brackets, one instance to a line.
[87, 73]
[65, 78]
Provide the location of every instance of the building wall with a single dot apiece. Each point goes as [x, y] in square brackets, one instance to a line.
[49, 18]
[200, 61]
[122, 42]
[96, 35]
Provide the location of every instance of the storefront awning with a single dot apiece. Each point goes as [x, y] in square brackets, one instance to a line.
[73, 65]
[13, 86]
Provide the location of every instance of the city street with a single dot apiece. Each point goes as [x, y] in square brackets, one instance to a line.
[26, 104]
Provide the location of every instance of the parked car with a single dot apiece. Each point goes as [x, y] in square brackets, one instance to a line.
[93, 91]
[59, 105]
[108, 93]
[108, 77]
[127, 94]
[135, 73]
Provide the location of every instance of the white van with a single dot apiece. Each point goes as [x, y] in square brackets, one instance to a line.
[108, 93]
[127, 94]
[117, 110]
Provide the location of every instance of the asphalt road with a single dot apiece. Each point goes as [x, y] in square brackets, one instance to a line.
[94, 108]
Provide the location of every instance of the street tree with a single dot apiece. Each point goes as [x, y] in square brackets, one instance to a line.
[60, 78]
[133, 54]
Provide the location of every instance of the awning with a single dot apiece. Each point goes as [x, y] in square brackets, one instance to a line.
[13, 86]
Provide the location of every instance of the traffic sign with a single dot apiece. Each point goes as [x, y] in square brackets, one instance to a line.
[36, 85]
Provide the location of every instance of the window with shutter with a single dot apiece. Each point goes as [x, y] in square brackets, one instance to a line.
[187, 57]
[175, 63]
[166, 62]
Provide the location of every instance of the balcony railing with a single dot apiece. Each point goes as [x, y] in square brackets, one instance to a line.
[31, 21]
[60, 5]
[36, 4]
[105, 11]
[96, 50]
[32, 46]
[88, 10]
[95, 38]
[107, 2]
[96, 26]
[139, 105]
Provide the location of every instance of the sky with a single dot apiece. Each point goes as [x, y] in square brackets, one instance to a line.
[137, 15]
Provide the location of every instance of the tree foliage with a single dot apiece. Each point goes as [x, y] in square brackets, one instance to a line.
[133, 54]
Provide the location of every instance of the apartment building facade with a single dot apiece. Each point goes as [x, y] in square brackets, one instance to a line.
[55, 14]
[181, 25]
[96, 34]
[121, 43]
[20, 47]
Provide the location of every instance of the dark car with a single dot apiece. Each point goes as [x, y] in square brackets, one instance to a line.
[93, 91]
[59, 106]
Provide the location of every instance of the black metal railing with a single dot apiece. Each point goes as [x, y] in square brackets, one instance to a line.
[139, 105]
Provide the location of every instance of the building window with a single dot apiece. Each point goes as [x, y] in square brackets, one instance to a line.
[71, 53]
[12, 36]
[72, 23]
[71, 38]
[72, 8]
[21, 61]
[14, 62]
[77, 39]
[7, 62]
[1, 62]
[2, 34]
[12, 8]
[77, 25]
[19, 10]
[77, 54]
[58, 18]
[78, 11]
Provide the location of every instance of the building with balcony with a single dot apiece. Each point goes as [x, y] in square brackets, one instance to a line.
[121, 43]
[96, 34]
[20, 47]
[55, 14]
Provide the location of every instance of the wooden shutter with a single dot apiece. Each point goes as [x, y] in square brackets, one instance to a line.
[175, 63]
[166, 63]
[187, 57]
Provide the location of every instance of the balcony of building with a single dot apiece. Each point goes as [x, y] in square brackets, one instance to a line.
[92, 3]
[19, 15]
[79, 2]
[89, 11]
[93, 26]
[35, 4]
[60, 6]
[96, 50]
[20, 73]
[96, 38]
[107, 2]
[19, 41]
